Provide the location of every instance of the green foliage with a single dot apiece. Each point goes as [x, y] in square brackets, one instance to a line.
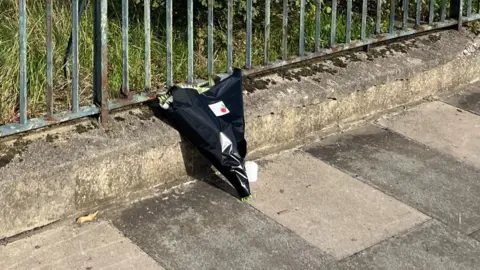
[9, 44]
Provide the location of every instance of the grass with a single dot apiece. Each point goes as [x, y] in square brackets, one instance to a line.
[9, 64]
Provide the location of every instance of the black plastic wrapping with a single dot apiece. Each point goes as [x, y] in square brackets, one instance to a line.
[217, 131]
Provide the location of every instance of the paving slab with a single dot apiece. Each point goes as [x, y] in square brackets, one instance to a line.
[327, 207]
[441, 126]
[202, 227]
[430, 246]
[92, 246]
[424, 178]
[468, 99]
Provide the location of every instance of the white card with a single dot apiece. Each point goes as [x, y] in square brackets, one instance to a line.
[219, 108]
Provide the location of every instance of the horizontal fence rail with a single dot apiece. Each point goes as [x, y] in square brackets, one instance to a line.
[365, 22]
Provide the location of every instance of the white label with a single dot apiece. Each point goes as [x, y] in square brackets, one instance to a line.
[219, 108]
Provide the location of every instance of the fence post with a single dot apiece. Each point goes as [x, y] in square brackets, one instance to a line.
[100, 63]
[22, 25]
[456, 11]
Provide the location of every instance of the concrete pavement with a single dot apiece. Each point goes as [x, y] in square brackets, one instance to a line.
[204, 228]
[97, 245]
[327, 207]
[400, 193]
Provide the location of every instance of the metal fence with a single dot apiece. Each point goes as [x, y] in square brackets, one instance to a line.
[398, 27]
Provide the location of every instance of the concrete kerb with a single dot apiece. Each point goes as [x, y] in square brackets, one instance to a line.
[55, 176]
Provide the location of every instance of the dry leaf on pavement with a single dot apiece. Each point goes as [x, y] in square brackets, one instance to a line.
[88, 218]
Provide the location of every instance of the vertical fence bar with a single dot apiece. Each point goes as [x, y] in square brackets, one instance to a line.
[460, 14]
[418, 15]
[391, 26]
[100, 74]
[190, 76]
[469, 8]
[444, 11]
[378, 26]
[431, 11]
[23, 60]
[148, 59]
[301, 45]
[248, 54]
[456, 7]
[210, 42]
[333, 23]
[49, 59]
[363, 33]
[104, 111]
[125, 83]
[318, 22]
[266, 59]
[169, 43]
[104, 35]
[285, 30]
[406, 4]
[348, 34]
[75, 66]
[230, 37]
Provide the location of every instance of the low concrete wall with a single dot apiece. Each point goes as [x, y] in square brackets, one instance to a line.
[53, 174]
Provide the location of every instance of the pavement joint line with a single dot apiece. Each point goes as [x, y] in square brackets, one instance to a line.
[355, 178]
[458, 108]
[129, 258]
[67, 240]
[387, 129]
[246, 212]
[288, 229]
[477, 85]
[376, 124]
[26, 234]
[404, 232]
[431, 216]
[110, 222]
[473, 233]
[92, 249]
[361, 179]
[415, 141]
